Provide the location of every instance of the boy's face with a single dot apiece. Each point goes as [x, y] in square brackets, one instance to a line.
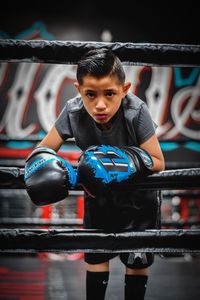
[102, 96]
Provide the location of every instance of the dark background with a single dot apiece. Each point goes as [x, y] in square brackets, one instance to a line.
[134, 21]
[170, 22]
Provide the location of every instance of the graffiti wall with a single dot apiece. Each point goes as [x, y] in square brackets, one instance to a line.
[32, 96]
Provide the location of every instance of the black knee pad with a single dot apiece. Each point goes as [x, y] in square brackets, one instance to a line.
[137, 260]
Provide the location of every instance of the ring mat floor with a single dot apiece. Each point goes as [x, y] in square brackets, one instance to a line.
[58, 277]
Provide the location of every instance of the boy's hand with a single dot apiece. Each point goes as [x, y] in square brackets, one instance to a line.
[100, 166]
[47, 177]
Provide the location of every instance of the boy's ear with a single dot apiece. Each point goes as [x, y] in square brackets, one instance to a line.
[77, 86]
[126, 87]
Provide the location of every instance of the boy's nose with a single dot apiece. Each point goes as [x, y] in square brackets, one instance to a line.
[100, 104]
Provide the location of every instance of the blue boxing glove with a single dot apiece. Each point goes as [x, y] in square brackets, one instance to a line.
[143, 158]
[48, 177]
[100, 166]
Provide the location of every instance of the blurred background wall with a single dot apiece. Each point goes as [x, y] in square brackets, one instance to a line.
[32, 95]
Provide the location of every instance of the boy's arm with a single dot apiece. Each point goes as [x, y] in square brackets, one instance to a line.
[152, 146]
[52, 140]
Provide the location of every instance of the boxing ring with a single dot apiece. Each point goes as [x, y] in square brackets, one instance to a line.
[47, 240]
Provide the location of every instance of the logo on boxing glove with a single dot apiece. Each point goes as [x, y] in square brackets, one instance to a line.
[110, 164]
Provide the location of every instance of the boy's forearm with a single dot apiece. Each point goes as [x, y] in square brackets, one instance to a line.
[52, 140]
[158, 164]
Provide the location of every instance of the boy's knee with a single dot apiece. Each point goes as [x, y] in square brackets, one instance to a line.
[144, 271]
[102, 267]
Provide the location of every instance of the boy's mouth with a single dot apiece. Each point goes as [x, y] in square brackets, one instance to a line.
[101, 117]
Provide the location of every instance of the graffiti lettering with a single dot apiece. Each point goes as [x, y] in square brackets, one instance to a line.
[173, 114]
[158, 100]
[18, 96]
[184, 107]
[47, 95]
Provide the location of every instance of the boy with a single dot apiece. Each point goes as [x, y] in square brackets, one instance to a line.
[105, 113]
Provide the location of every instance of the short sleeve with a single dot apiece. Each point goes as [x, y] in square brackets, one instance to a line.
[63, 125]
[145, 126]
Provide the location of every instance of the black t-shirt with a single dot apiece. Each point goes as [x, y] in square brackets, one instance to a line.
[132, 126]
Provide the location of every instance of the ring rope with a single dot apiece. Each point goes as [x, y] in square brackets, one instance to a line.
[69, 52]
[77, 240]
[13, 177]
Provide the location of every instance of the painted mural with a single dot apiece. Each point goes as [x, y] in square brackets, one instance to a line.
[32, 96]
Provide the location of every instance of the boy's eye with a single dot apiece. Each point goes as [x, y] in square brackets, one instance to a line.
[109, 94]
[90, 95]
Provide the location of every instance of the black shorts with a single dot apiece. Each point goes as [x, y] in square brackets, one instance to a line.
[123, 212]
[131, 260]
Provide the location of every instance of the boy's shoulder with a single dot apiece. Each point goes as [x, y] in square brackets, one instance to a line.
[74, 104]
[132, 102]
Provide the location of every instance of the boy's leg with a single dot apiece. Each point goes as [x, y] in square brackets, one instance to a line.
[135, 283]
[97, 276]
[137, 264]
[136, 277]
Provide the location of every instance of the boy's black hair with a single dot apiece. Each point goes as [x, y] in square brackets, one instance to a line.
[99, 63]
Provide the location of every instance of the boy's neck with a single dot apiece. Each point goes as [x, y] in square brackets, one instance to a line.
[104, 127]
[108, 125]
